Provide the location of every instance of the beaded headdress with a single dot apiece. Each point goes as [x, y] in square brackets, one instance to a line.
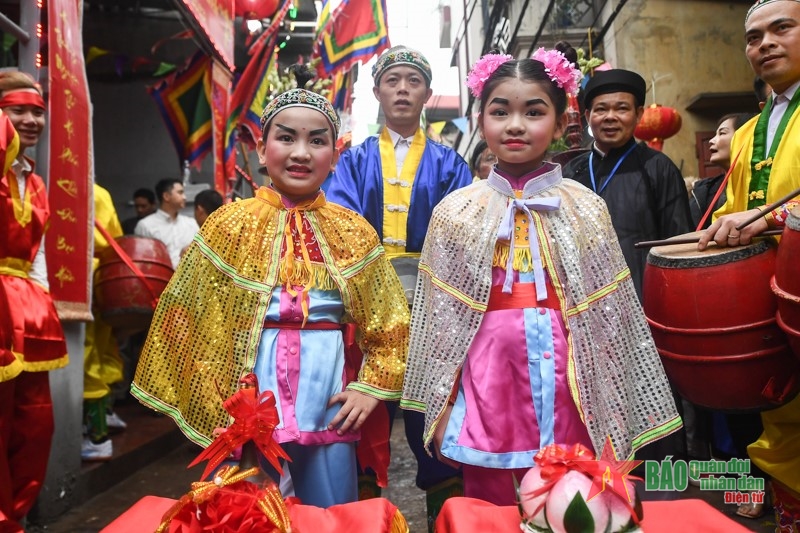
[758, 4]
[401, 55]
[301, 98]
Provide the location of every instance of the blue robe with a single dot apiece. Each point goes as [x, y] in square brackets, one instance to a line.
[357, 183]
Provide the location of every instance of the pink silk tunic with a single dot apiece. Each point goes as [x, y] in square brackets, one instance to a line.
[513, 396]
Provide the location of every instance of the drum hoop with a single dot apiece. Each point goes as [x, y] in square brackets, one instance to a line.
[740, 254]
[793, 221]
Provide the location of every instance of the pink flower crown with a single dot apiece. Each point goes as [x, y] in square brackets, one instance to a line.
[557, 66]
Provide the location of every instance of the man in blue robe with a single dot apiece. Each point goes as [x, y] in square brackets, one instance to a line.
[394, 180]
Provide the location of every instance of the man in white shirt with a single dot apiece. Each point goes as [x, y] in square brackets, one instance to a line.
[167, 225]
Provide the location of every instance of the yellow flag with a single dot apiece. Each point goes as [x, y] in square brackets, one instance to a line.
[93, 53]
[438, 126]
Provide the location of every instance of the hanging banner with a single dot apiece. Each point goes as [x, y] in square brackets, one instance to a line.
[221, 81]
[71, 171]
[214, 20]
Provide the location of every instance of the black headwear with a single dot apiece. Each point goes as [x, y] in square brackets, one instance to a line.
[614, 81]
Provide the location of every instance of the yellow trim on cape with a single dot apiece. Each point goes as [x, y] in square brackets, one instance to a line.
[522, 257]
[395, 221]
[304, 272]
[12, 151]
[43, 366]
[784, 176]
[12, 370]
[13, 266]
[313, 275]
[399, 524]
[23, 208]
[20, 365]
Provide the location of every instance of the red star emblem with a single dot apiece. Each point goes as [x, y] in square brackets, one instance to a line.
[609, 471]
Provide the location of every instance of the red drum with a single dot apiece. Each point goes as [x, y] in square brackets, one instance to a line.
[124, 300]
[712, 315]
[786, 281]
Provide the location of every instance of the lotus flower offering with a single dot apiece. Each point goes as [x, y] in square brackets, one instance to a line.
[569, 490]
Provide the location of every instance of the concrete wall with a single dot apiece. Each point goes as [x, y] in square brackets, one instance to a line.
[689, 47]
[66, 388]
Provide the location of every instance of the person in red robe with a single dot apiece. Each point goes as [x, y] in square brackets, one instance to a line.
[31, 338]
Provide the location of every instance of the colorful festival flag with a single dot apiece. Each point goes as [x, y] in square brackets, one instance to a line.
[341, 95]
[183, 99]
[354, 31]
[221, 83]
[251, 90]
[248, 99]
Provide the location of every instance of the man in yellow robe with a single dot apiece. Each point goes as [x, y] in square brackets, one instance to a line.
[102, 364]
[766, 169]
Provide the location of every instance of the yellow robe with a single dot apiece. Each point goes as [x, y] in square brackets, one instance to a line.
[784, 176]
[102, 364]
[777, 451]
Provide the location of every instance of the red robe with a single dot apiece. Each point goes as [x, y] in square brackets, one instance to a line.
[31, 338]
[31, 341]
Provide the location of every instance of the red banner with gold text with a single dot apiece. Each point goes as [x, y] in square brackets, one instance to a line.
[215, 19]
[220, 97]
[71, 167]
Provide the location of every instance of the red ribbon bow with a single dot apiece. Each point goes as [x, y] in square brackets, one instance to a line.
[254, 418]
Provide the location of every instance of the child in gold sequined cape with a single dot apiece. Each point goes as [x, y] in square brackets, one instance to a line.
[266, 287]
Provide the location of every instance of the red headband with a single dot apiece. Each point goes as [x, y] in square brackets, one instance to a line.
[22, 98]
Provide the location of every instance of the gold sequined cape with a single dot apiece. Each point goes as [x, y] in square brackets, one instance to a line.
[615, 375]
[206, 328]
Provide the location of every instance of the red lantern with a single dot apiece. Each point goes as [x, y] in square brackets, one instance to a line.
[255, 9]
[658, 123]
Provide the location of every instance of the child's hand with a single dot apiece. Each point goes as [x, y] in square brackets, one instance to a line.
[356, 407]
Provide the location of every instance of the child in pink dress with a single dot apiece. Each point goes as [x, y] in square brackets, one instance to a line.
[526, 329]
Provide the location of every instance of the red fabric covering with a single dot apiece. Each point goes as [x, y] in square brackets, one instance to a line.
[373, 515]
[145, 515]
[467, 515]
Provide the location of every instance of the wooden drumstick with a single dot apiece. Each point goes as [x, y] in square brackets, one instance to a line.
[769, 208]
[692, 240]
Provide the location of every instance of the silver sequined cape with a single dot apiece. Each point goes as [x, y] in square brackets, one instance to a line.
[615, 374]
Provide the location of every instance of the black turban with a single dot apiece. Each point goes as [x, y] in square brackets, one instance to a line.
[614, 81]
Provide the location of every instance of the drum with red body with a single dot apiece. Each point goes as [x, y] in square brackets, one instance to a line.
[786, 281]
[124, 300]
[712, 315]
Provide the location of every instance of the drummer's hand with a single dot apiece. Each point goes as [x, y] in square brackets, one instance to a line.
[724, 232]
[356, 407]
[438, 438]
